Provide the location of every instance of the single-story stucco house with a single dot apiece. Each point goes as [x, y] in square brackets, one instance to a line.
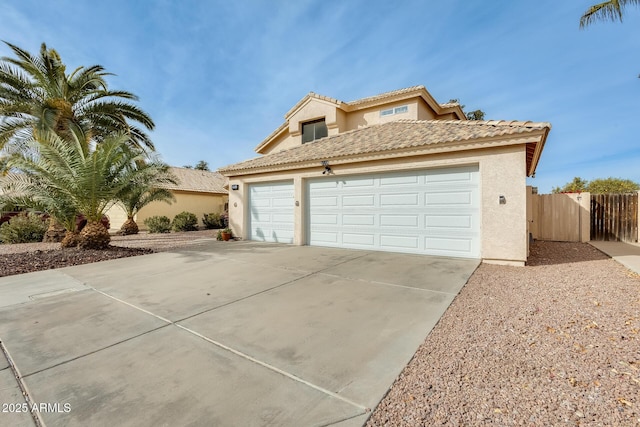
[197, 191]
[394, 172]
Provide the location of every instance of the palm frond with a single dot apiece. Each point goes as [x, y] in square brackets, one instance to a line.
[611, 10]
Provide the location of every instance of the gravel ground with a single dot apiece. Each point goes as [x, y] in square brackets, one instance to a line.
[553, 343]
[28, 257]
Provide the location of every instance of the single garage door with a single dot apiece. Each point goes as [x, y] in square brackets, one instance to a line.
[271, 212]
[432, 212]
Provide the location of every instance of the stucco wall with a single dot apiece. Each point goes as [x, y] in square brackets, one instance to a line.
[197, 203]
[371, 116]
[339, 121]
[117, 217]
[314, 109]
[502, 172]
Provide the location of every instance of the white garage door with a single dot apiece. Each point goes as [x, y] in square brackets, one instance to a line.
[271, 212]
[432, 212]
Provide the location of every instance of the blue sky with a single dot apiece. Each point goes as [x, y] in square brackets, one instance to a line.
[218, 76]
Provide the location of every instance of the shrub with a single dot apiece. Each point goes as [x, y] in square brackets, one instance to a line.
[185, 221]
[158, 224]
[213, 220]
[27, 228]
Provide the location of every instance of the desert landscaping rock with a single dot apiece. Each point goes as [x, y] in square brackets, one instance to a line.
[28, 257]
[553, 343]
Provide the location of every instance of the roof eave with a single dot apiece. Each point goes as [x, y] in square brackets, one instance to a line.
[443, 147]
[538, 151]
[268, 140]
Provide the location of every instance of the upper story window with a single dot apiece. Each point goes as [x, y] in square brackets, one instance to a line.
[314, 130]
[392, 111]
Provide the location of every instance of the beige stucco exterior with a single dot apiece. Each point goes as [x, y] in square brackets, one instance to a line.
[197, 203]
[429, 135]
[117, 216]
[342, 117]
[502, 172]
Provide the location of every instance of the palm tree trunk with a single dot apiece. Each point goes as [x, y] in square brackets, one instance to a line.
[55, 233]
[129, 227]
[94, 235]
[71, 239]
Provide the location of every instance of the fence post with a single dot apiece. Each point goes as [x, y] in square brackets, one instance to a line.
[585, 217]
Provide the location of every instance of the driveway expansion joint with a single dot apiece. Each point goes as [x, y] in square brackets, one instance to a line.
[291, 376]
[35, 415]
[375, 282]
[239, 299]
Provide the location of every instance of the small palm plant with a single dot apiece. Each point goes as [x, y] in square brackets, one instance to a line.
[144, 190]
[75, 174]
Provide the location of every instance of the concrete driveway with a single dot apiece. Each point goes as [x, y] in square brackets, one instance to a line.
[223, 334]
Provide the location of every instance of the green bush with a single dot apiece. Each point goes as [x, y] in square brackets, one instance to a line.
[27, 228]
[158, 224]
[185, 221]
[213, 221]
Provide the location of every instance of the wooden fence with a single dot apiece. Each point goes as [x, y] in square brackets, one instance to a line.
[559, 217]
[614, 217]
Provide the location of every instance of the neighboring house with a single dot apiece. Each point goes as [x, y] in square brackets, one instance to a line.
[197, 191]
[394, 172]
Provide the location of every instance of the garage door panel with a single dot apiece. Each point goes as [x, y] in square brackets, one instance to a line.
[450, 245]
[325, 219]
[351, 219]
[449, 177]
[410, 199]
[324, 201]
[280, 202]
[427, 212]
[399, 220]
[324, 237]
[282, 218]
[449, 221]
[261, 203]
[367, 200]
[458, 198]
[360, 239]
[359, 182]
[395, 241]
[398, 180]
[271, 212]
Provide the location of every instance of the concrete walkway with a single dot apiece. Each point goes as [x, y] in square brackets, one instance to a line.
[627, 254]
[223, 334]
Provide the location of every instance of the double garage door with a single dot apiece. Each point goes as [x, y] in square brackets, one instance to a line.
[432, 212]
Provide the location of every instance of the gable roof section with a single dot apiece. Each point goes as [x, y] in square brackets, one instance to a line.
[369, 102]
[197, 181]
[401, 138]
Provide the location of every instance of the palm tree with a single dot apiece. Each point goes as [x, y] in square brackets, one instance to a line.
[144, 190]
[609, 10]
[65, 175]
[37, 95]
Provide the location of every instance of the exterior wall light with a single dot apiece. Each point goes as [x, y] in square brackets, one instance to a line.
[327, 168]
[502, 200]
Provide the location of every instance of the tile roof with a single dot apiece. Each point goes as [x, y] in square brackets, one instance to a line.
[450, 105]
[198, 181]
[391, 136]
[386, 95]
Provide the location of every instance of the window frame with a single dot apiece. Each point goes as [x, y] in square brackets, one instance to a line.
[315, 129]
[401, 109]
